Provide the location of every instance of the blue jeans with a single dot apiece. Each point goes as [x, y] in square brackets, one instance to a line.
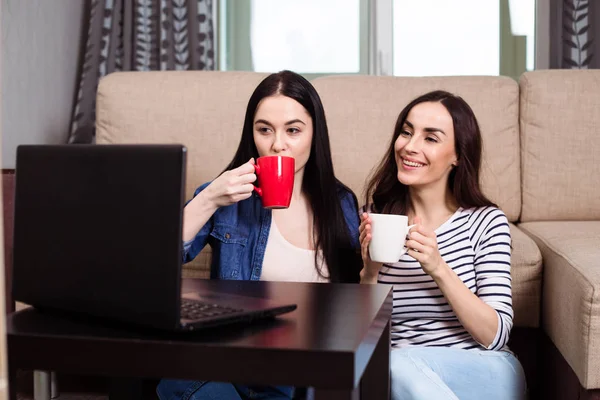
[171, 389]
[447, 373]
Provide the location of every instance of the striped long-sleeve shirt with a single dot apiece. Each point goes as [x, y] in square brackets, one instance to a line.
[476, 244]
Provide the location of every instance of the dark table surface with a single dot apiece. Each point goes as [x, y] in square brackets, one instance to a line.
[337, 341]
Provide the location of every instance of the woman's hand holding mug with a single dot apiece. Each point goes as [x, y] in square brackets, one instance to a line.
[232, 186]
[423, 247]
[370, 270]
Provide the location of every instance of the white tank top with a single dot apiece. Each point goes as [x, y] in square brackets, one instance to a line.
[285, 262]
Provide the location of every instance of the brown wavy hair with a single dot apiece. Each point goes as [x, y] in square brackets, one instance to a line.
[390, 196]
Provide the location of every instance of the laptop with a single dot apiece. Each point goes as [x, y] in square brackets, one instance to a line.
[98, 231]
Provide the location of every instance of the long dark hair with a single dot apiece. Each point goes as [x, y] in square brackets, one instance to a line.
[390, 196]
[319, 184]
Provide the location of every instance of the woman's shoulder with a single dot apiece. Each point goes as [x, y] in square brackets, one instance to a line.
[485, 221]
[345, 193]
[478, 213]
[233, 210]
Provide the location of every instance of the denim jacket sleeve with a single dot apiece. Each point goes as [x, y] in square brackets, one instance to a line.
[194, 246]
[350, 210]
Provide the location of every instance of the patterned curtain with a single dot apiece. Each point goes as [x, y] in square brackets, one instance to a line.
[575, 34]
[141, 35]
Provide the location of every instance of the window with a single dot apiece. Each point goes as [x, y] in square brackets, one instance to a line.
[395, 37]
[303, 35]
[306, 36]
[440, 37]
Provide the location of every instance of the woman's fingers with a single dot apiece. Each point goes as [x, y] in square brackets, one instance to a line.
[415, 245]
[365, 233]
[365, 236]
[422, 230]
[416, 255]
[246, 189]
[246, 168]
[364, 249]
[421, 238]
[242, 196]
[418, 228]
[364, 221]
[247, 178]
[361, 227]
[234, 185]
[365, 239]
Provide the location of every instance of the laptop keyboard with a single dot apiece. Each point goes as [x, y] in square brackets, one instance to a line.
[195, 310]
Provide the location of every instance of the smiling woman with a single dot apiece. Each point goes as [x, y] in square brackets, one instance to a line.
[452, 287]
[425, 147]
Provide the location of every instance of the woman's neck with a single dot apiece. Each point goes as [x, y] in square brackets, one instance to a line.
[295, 223]
[432, 205]
[297, 193]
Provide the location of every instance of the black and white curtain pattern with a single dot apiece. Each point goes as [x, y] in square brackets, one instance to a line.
[575, 34]
[141, 35]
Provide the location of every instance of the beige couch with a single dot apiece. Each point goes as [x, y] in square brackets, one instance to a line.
[541, 165]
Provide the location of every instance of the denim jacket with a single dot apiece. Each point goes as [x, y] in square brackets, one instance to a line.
[238, 236]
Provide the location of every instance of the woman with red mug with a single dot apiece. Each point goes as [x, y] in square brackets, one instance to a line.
[300, 223]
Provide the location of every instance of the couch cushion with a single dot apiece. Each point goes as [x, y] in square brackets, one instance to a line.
[200, 109]
[571, 296]
[362, 110]
[560, 123]
[526, 273]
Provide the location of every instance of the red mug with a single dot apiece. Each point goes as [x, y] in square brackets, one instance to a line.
[276, 180]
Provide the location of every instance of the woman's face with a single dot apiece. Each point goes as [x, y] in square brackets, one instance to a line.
[282, 126]
[424, 151]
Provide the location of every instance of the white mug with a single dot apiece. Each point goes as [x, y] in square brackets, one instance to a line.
[388, 236]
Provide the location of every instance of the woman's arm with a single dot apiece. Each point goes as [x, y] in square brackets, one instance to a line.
[193, 246]
[229, 188]
[477, 317]
[487, 315]
[197, 213]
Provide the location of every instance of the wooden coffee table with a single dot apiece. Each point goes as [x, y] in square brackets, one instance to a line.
[337, 341]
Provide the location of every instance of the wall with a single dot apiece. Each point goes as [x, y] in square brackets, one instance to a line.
[40, 49]
[39, 53]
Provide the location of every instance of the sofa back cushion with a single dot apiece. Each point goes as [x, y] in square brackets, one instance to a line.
[361, 113]
[202, 110]
[560, 125]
